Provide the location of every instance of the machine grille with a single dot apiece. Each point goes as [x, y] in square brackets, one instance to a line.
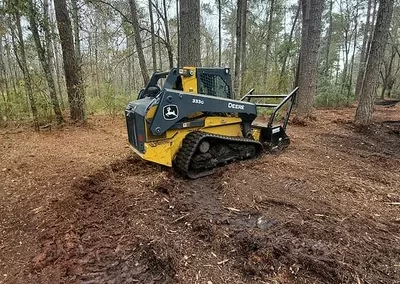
[131, 127]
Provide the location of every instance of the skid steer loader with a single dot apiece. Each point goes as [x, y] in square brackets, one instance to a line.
[186, 118]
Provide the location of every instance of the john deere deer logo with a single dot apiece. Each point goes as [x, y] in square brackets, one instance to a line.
[170, 112]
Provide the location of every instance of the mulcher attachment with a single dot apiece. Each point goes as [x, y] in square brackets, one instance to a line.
[273, 137]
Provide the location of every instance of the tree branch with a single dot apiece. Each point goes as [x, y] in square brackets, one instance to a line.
[127, 19]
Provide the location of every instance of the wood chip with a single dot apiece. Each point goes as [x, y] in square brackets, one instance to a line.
[222, 262]
[180, 218]
[232, 209]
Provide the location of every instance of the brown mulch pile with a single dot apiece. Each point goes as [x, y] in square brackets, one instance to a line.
[78, 207]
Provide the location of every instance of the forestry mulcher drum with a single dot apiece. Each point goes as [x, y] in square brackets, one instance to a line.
[186, 118]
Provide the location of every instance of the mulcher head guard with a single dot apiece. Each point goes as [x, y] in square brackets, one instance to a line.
[273, 136]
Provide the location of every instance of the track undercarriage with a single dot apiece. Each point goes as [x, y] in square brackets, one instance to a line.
[202, 152]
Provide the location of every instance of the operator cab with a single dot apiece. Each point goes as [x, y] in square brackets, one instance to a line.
[207, 81]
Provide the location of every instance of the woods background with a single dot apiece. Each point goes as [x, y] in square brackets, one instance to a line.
[93, 56]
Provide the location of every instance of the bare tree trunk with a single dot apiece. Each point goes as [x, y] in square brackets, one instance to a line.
[243, 47]
[350, 85]
[178, 55]
[328, 40]
[287, 51]
[159, 42]
[376, 54]
[310, 41]
[77, 40]
[49, 49]
[190, 32]
[54, 49]
[383, 87]
[237, 80]
[138, 41]
[73, 75]
[129, 48]
[387, 75]
[363, 53]
[4, 78]
[372, 26]
[96, 60]
[11, 67]
[346, 51]
[21, 59]
[219, 33]
[167, 37]
[268, 41]
[153, 42]
[44, 61]
[233, 46]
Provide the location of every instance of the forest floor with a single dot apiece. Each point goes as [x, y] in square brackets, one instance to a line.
[76, 206]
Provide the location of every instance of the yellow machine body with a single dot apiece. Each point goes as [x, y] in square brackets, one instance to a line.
[163, 150]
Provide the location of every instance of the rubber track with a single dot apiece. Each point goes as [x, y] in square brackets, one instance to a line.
[190, 144]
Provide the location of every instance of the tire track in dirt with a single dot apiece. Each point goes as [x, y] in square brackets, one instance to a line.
[134, 223]
[293, 218]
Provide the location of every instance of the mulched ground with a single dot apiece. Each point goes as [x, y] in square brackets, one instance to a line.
[78, 207]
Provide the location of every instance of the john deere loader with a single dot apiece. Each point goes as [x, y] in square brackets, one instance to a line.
[187, 118]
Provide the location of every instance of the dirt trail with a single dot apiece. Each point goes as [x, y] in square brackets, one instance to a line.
[78, 207]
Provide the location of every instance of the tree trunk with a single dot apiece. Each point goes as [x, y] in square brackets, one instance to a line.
[372, 26]
[350, 86]
[383, 91]
[219, 33]
[44, 61]
[346, 51]
[237, 80]
[96, 61]
[178, 54]
[189, 11]
[268, 41]
[328, 40]
[138, 42]
[376, 54]
[159, 42]
[310, 41]
[153, 40]
[73, 75]
[21, 59]
[243, 53]
[287, 51]
[167, 37]
[54, 49]
[232, 51]
[363, 53]
[4, 78]
[11, 67]
[77, 40]
[391, 82]
[387, 74]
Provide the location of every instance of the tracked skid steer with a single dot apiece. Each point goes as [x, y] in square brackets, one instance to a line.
[186, 118]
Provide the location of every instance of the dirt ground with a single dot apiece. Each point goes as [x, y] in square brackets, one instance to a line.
[76, 206]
